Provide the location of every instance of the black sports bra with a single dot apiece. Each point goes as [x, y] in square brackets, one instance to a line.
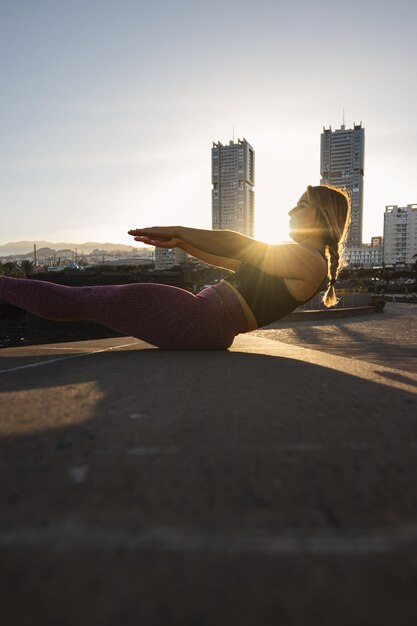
[266, 295]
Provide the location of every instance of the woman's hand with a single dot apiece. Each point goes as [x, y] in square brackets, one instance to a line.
[160, 236]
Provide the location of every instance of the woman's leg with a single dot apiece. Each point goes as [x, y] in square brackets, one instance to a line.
[162, 315]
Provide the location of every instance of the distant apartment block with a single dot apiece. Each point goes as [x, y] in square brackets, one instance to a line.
[233, 179]
[400, 234]
[342, 159]
[366, 255]
[377, 242]
[166, 258]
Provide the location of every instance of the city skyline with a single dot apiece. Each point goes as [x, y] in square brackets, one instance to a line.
[108, 112]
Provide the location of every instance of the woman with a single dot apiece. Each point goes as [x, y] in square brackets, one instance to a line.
[269, 281]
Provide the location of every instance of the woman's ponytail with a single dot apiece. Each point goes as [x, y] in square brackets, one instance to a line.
[333, 205]
[332, 252]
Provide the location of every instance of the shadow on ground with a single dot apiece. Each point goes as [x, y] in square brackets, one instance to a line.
[388, 339]
[214, 442]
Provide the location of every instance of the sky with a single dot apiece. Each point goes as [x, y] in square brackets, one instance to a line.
[108, 109]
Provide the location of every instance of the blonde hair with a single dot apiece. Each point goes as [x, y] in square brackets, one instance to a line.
[333, 206]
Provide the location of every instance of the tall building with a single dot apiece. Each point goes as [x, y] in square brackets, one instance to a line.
[233, 179]
[342, 158]
[400, 234]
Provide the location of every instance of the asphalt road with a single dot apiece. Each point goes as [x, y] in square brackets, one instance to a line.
[269, 484]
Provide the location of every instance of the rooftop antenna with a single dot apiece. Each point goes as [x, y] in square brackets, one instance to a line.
[343, 118]
[233, 133]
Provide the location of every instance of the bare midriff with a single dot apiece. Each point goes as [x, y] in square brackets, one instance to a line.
[252, 323]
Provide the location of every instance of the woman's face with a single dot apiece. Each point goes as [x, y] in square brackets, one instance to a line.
[303, 219]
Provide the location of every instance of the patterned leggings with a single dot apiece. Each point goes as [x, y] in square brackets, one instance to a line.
[165, 316]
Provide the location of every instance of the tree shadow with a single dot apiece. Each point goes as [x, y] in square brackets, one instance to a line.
[351, 341]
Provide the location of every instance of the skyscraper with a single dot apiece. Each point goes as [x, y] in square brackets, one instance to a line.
[342, 158]
[233, 178]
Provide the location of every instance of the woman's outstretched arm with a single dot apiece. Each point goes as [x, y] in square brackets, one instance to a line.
[286, 260]
[220, 243]
[211, 259]
[170, 237]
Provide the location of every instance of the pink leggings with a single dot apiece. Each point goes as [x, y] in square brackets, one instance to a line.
[165, 316]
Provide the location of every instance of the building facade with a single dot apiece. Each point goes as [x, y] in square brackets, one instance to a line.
[400, 234]
[366, 256]
[233, 179]
[166, 258]
[342, 158]
[377, 241]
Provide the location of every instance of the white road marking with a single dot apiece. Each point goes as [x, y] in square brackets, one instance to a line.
[299, 447]
[64, 358]
[78, 473]
[370, 541]
[149, 451]
[363, 446]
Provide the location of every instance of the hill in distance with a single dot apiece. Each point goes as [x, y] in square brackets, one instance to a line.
[26, 247]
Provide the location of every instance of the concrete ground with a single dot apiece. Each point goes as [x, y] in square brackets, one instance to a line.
[269, 484]
[388, 338]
